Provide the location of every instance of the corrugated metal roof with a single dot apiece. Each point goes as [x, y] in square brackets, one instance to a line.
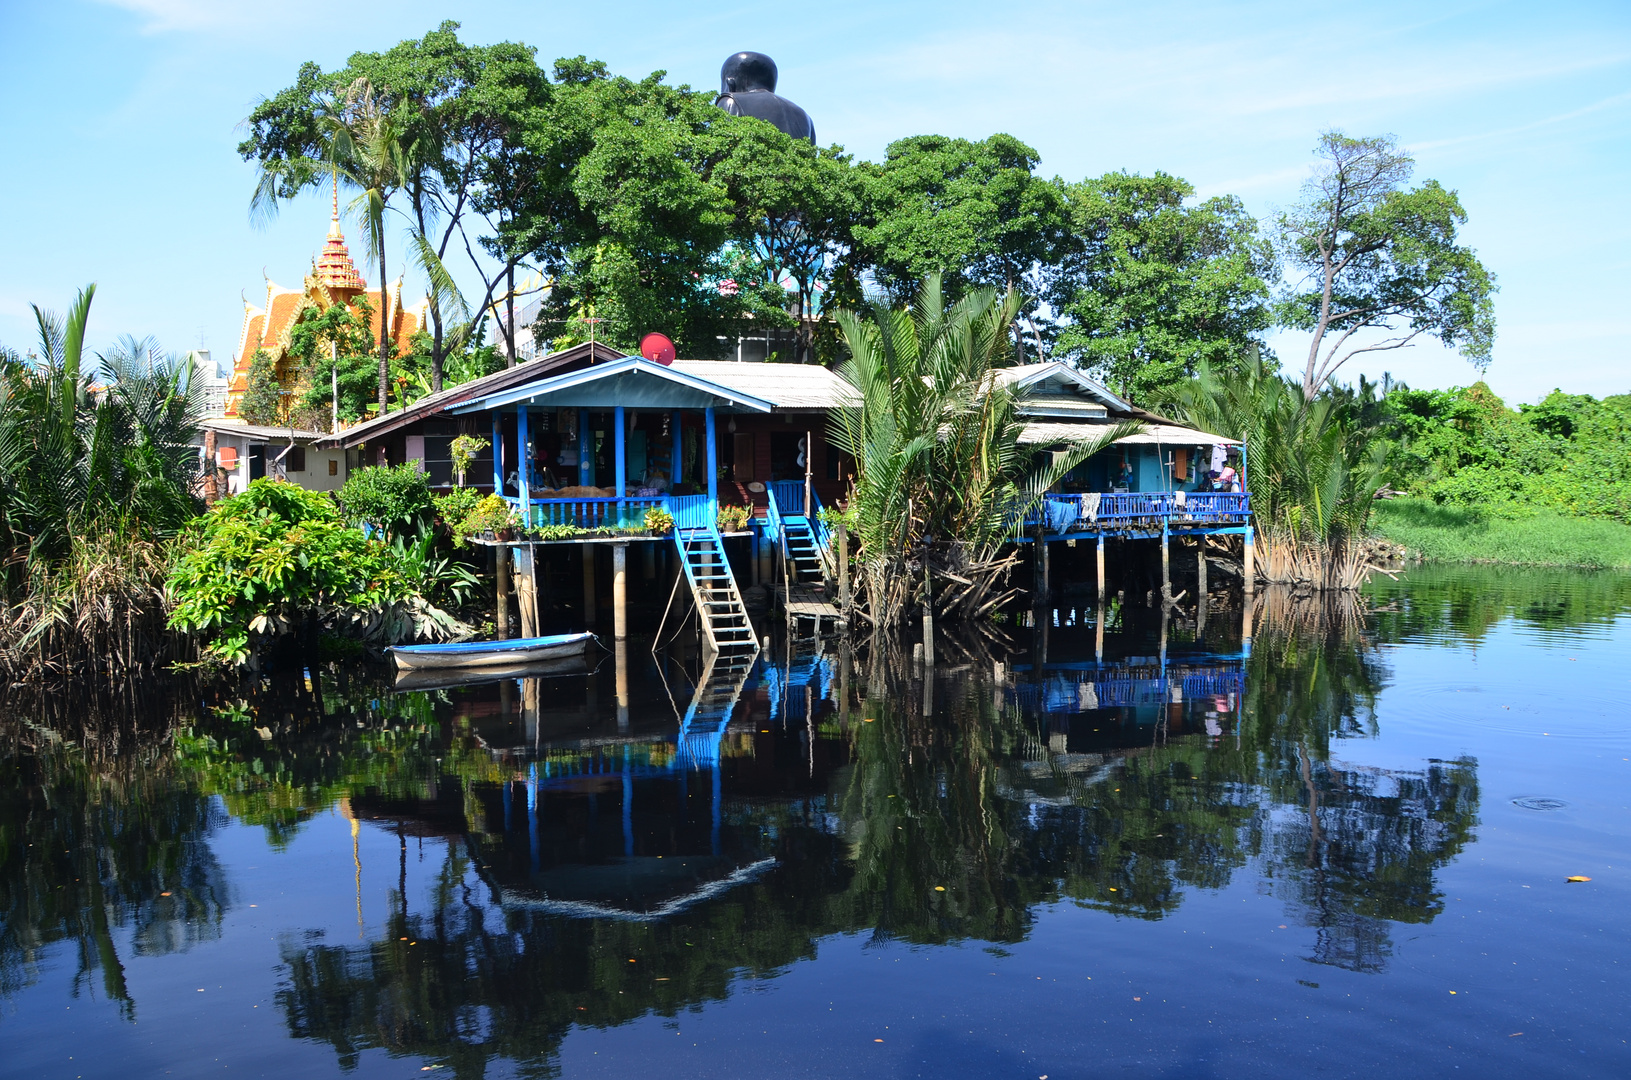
[487, 384]
[1165, 434]
[786, 386]
[259, 431]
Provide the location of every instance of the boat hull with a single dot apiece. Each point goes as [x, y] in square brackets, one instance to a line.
[476, 655]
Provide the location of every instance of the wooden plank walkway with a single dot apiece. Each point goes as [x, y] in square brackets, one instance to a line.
[808, 602]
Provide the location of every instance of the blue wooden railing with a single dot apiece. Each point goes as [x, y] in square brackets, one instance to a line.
[1142, 507]
[690, 511]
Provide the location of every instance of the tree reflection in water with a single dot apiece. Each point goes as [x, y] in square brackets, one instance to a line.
[1119, 788]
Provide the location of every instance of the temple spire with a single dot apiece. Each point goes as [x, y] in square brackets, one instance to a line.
[334, 219]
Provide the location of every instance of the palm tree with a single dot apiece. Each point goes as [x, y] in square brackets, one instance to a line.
[92, 485]
[941, 480]
[1314, 469]
[368, 148]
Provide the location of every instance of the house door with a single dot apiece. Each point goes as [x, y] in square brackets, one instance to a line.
[257, 461]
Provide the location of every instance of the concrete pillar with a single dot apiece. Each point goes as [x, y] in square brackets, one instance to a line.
[1200, 569]
[525, 594]
[1098, 635]
[620, 595]
[588, 585]
[212, 471]
[1101, 570]
[620, 650]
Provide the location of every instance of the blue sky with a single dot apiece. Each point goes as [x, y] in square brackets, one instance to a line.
[119, 119]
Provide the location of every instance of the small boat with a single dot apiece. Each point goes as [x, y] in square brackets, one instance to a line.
[470, 655]
[449, 678]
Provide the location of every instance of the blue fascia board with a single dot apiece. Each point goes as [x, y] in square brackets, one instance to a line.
[556, 390]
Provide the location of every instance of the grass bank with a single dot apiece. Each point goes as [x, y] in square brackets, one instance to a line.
[1459, 535]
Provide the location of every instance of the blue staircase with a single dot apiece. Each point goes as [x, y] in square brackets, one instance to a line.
[720, 687]
[725, 624]
[803, 539]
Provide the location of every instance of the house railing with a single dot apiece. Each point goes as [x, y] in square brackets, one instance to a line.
[1061, 513]
[690, 511]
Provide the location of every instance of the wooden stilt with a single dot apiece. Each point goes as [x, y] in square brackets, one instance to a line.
[501, 559]
[620, 595]
[843, 569]
[1200, 569]
[1098, 635]
[1166, 567]
[928, 623]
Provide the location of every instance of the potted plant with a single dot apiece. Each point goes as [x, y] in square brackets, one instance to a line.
[464, 450]
[659, 521]
[732, 518]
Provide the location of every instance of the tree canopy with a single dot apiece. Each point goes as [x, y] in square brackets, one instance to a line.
[611, 206]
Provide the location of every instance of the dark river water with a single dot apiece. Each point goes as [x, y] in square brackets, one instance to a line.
[1342, 846]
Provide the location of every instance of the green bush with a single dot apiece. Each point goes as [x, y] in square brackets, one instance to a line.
[261, 562]
[394, 499]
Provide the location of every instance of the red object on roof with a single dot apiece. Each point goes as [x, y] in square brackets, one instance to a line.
[657, 348]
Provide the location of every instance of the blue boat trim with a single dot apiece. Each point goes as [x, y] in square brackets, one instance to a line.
[507, 645]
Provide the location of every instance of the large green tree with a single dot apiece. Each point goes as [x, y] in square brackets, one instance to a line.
[974, 211]
[1379, 261]
[1159, 284]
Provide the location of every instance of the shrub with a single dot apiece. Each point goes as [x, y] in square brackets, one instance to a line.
[395, 500]
[260, 562]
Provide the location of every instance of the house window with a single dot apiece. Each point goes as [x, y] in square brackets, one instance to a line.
[333, 467]
[295, 460]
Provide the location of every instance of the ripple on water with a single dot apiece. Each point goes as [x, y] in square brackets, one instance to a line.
[1542, 803]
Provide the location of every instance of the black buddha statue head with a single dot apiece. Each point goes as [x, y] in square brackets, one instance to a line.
[747, 87]
[747, 71]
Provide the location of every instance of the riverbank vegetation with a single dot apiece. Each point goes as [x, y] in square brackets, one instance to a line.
[96, 481]
[1465, 534]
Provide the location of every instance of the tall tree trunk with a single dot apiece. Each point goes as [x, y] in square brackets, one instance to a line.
[384, 326]
[509, 318]
[436, 358]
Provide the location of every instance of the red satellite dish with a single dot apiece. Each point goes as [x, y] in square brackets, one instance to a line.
[657, 348]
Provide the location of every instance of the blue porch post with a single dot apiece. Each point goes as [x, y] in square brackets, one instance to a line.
[621, 454]
[498, 455]
[586, 463]
[713, 454]
[523, 457]
[675, 467]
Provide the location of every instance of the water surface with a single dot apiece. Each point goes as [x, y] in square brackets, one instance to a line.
[1338, 848]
